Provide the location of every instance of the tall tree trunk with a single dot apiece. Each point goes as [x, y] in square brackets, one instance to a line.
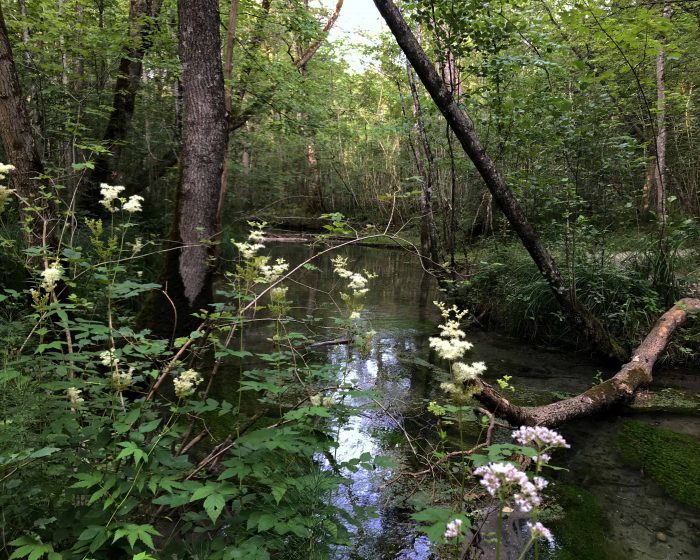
[660, 167]
[312, 180]
[36, 213]
[141, 21]
[463, 128]
[426, 167]
[187, 273]
[228, 101]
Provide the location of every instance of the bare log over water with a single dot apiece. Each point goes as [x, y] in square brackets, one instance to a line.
[619, 388]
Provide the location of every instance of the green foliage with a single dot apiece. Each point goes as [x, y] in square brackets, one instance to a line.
[93, 465]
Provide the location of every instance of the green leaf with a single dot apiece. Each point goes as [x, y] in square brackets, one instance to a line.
[43, 452]
[214, 505]
[278, 491]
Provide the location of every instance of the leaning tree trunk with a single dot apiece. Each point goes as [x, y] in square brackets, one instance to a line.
[187, 273]
[36, 213]
[619, 388]
[463, 128]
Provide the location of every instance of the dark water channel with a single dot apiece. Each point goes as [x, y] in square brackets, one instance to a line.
[399, 308]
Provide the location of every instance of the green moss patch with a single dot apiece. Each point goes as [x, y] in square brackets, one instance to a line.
[668, 400]
[582, 531]
[671, 459]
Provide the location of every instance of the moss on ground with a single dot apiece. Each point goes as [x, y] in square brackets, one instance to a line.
[671, 459]
[582, 531]
[668, 400]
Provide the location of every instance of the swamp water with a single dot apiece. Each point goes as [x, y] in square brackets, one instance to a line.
[635, 517]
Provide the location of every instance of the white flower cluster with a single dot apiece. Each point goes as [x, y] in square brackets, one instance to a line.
[467, 372]
[50, 276]
[451, 346]
[110, 195]
[272, 272]
[74, 395]
[122, 380]
[248, 249]
[108, 357]
[133, 204]
[454, 528]
[5, 168]
[5, 192]
[278, 294]
[318, 400]
[186, 383]
[537, 530]
[358, 282]
[505, 481]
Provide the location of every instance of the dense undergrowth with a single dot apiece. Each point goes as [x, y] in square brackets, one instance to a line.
[626, 285]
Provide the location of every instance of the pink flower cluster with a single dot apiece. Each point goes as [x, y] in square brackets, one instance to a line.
[503, 480]
[537, 530]
[540, 438]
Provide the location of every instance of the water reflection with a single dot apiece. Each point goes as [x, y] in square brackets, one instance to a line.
[399, 307]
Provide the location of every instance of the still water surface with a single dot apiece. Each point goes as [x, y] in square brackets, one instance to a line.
[399, 308]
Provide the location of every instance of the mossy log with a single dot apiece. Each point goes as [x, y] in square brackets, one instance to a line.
[619, 388]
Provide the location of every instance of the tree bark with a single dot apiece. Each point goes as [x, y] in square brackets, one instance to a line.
[141, 16]
[620, 388]
[463, 128]
[187, 273]
[36, 212]
[426, 167]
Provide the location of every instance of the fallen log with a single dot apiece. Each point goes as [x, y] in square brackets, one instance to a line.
[619, 388]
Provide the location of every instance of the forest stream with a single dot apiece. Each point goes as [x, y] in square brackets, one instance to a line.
[636, 518]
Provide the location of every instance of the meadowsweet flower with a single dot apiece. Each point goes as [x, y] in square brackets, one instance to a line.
[327, 402]
[5, 168]
[74, 395]
[108, 357]
[248, 250]
[537, 530]
[540, 437]
[315, 400]
[109, 194]
[465, 372]
[133, 204]
[505, 481]
[278, 293]
[122, 380]
[5, 193]
[256, 236]
[186, 383]
[137, 246]
[51, 276]
[272, 272]
[454, 528]
[355, 316]
[451, 348]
